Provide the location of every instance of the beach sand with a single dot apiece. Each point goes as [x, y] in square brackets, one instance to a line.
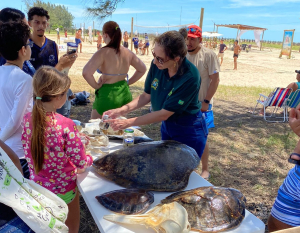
[255, 68]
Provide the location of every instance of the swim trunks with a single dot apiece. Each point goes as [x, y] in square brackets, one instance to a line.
[287, 204]
[68, 197]
[77, 41]
[125, 44]
[146, 45]
[235, 55]
[111, 96]
[136, 46]
[99, 46]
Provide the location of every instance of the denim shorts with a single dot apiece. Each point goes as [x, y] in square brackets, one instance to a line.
[188, 129]
[16, 225]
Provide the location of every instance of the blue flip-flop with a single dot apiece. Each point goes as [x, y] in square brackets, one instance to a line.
[294, 161]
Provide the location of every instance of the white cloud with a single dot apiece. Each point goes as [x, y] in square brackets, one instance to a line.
[256, 3]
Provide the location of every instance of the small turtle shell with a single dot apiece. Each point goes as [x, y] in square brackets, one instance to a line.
[126, 201]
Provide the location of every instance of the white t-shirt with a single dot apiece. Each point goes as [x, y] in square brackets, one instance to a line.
[207, 63]
[16, 100]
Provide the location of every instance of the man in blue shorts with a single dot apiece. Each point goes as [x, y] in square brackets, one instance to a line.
[285, 212]
[78, 38]
[208, 65]
[135, 40]
[147, 44]
[44, 50]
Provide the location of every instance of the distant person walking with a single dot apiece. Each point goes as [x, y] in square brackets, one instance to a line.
[125, 38]
[66, 33]
[78, 39]
[135, 40]
[222, 49]
[147, 44]
[236, 52]
[113, 62]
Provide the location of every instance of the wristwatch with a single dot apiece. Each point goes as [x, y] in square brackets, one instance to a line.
[206, 101]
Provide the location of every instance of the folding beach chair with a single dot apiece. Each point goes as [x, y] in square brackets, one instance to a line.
[292, 102]
[276, 100]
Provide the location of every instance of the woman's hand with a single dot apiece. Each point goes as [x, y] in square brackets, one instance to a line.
[113, 113]
[294, 120]
[118, 124]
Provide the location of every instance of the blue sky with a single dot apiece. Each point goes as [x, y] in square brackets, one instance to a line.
[275, 15]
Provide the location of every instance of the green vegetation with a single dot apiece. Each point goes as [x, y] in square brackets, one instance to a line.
[60, 17]
[103, 8]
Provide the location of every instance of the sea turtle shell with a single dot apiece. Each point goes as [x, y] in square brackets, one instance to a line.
[126, 201]
[211, 209]
[159, 166]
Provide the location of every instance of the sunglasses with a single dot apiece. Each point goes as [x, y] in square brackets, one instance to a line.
[160, 60]
[192, 30]
[30, 44]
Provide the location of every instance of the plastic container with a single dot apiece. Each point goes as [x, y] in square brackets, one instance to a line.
[71, 48]
[104, 125]
[128, 137]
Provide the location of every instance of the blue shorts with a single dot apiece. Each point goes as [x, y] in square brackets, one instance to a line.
[77, 41]
[209, 117]
[188, 129]
[286, 207]
[16, 225]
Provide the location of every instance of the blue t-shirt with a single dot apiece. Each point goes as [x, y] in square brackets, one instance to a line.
[135, 40]
[222, 47]
[45, 55]
[147, 40]
[27, 66]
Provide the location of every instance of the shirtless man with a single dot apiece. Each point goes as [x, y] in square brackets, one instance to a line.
[99, 41]
[236, 52]
[78, 38]
[125, 38]
[141, 47]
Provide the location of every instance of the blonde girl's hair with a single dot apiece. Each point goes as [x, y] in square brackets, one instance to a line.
[48, 83]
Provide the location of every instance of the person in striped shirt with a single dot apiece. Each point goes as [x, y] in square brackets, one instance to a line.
[285, 212]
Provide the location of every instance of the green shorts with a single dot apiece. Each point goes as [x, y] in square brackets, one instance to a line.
[111, 96]
[69, 196]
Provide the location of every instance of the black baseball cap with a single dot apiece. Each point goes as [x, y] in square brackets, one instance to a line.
[297, 71]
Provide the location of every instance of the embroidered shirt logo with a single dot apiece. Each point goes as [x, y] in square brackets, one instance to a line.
[154, 84]
[181, 102]
[171, 92]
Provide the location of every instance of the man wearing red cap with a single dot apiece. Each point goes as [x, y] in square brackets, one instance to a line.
[208, 65]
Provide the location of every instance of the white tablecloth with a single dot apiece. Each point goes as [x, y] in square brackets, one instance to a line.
[91, 185]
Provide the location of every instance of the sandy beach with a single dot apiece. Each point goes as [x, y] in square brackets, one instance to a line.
[255, 68]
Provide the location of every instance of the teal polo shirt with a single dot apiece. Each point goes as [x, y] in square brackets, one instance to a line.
[178, 94]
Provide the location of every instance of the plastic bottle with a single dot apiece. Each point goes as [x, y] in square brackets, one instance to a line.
[128, 137]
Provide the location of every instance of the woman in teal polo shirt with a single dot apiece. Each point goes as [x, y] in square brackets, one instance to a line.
[172, 85]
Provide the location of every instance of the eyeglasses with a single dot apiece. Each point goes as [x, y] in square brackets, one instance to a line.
[30, 44]
[160, 60]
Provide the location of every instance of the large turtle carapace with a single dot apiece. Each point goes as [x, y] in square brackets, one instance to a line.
[159, 166]
[211, 209]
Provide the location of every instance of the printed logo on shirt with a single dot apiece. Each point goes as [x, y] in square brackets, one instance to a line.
[51, 58]
[171, 92]
[154, 84]
[181, 102]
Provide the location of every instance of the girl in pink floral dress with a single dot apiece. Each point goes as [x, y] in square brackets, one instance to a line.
[53, 149]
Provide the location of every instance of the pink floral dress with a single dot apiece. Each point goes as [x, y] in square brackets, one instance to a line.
[64, 153]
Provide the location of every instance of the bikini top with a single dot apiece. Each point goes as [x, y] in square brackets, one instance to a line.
[99, 71]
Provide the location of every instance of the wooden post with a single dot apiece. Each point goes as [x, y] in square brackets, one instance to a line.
[83, 32]
[201, 18]
[93, 33]
[262, 40]
[131, 32]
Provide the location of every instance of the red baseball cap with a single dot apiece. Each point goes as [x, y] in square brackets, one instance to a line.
[194, 31]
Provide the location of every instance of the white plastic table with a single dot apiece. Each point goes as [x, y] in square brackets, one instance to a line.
[91, 185]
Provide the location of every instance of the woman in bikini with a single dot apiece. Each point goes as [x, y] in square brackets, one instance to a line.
[113, 62]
